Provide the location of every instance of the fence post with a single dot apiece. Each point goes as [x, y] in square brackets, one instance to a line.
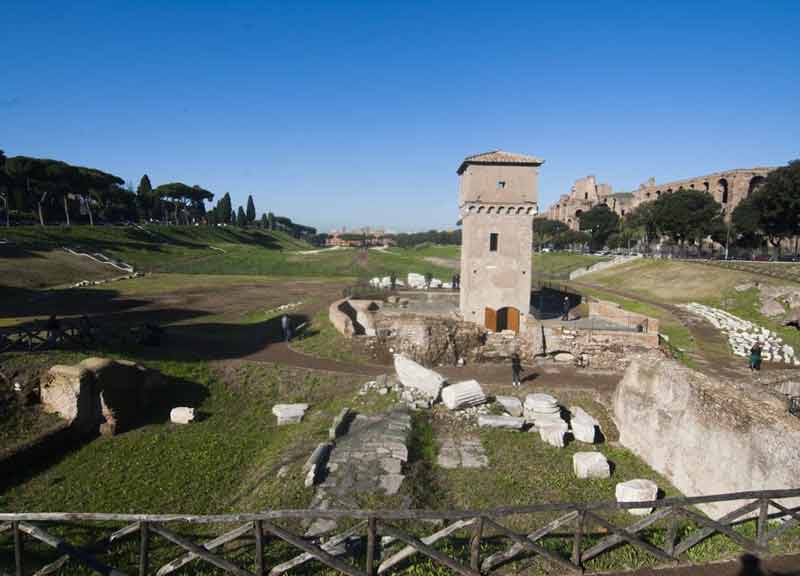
[371, 545]
[763, 518]
[576, 544]
[17, 548]
[672, 533]
[475, 544]
[259, 530]
[144, 544]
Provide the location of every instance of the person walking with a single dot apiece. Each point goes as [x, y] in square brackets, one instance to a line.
[516, 369]
[286, 327]
[565, 308]
[755, 357]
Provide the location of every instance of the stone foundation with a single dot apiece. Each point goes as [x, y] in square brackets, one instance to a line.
[99, 395]
[707, 436]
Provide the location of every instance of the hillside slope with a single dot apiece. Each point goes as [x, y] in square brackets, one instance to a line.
[33, 257]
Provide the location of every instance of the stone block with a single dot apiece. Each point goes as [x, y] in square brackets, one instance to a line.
[316, 462]
[340, 424]
[417, 377]
[181, 415]
[390, 483]
[415, 280]
[584, 426]
[540, 405]
[493, 421]
[553, 433]
[463, 395]
[289, 413]
[637, 490]
[590, 465]
[99, 394]
[510, 404]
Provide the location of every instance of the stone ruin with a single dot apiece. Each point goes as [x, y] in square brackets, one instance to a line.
[706, 434]
[427, 327]
[99, 395]
[366, 456]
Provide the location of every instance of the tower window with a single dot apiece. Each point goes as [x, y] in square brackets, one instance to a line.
[493, 242]
[501, 184]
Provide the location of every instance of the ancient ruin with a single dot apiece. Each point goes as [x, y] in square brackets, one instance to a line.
[728, 187]
[99, 395]
[492, 314]
[676, 418]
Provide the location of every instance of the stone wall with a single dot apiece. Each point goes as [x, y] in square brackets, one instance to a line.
[612, 311]
[728, 188]
[604, 349]
[705, 435]
[604, 265]
[430, 340]
[340, 320]
[99, 395]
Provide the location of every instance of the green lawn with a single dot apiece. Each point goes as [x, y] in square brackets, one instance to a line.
[226, 461]
[560, 264]
[195, 250]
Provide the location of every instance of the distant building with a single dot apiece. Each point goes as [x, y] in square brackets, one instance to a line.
[728, 188]
[498, 195]
[358, 237]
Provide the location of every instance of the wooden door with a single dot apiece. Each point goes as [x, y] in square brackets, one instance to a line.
[490, 319]
[513, 320]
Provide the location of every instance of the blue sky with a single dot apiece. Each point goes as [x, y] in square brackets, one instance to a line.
[358, 113]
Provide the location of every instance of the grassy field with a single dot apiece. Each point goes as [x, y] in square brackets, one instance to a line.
[672, 281]
[680, 338]
[34, 258]
[783, 270]
[219, 307]
[680, 282]
[560, 264]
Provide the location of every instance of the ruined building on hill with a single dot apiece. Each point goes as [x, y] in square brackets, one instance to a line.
[728, 188]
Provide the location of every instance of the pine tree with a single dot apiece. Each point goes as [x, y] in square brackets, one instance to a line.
[241, 219]
[226, 210]
[144, 197]
[264, 221]
[251, 210]
[271, 220]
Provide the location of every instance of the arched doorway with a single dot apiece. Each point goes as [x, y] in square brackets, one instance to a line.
[722, 190]
[506, 318]
[755, 184]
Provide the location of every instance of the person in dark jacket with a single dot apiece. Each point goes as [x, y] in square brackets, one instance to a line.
[755, 357]
[516, 369]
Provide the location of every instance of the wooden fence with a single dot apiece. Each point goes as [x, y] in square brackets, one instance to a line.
[75, 333]
[591, 534]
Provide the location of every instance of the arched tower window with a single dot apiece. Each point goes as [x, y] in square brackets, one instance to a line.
[722, 190]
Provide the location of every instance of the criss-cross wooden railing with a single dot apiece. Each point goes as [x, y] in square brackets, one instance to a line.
[385, 539]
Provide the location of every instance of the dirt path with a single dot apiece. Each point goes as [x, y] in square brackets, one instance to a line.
[744, 566]
[712, 356]
[283, 353]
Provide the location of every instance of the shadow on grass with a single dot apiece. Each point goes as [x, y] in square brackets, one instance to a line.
[36, 456]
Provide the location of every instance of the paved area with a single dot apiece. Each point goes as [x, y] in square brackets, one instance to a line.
[461, 452]
[366, 461]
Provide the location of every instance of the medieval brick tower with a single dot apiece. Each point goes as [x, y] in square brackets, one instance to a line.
[498, 196]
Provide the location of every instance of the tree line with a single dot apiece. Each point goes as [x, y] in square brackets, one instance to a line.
[46, 191]
[769, 215]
